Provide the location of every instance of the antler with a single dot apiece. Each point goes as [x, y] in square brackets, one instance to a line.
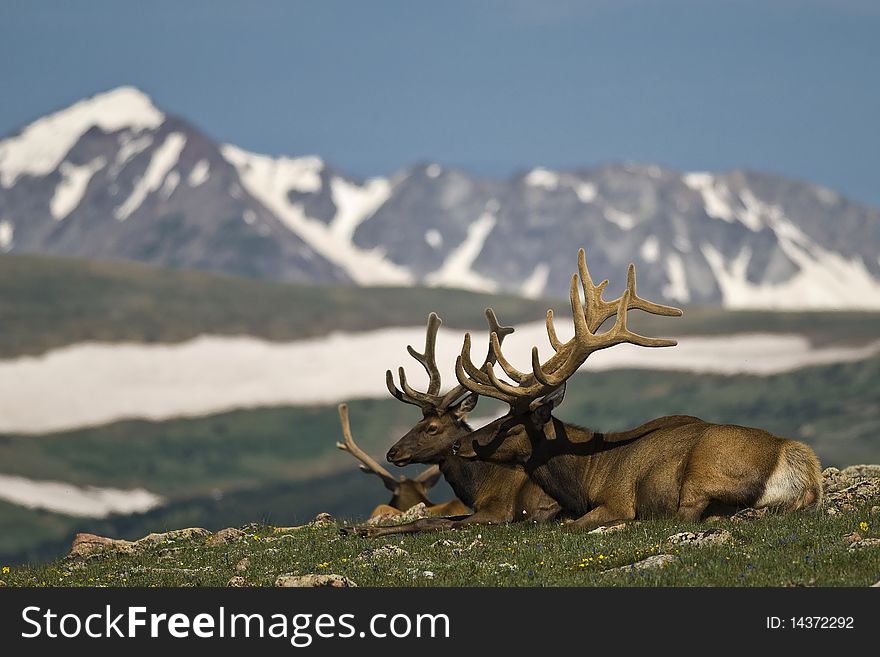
[367, 461]
[431, 399]
[568, 356]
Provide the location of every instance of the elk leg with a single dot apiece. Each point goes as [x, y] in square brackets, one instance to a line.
[420, 525]
[692, 503]
[601, 515]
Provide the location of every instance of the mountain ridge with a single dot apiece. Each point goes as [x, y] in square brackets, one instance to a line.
[155, 189]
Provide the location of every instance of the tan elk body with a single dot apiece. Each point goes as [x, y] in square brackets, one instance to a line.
[677, 466]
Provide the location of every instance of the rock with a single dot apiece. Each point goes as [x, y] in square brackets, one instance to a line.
[237, 582]
[875, 510]
[228, 535]
[85, 545]
[852, 538]
[302, 581]
[834, 480]
[173, 536]
[714, 536]
[876, 584]
[651, 563]
[324, 519]
[748, 514]
[386, 552]
[864, 544]
[428, 574]
[862, 471]
[2, 583]
[243, 565]
[603, 529]
[847, 499]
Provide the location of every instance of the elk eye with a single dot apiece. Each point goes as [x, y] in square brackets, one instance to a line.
[432, 429]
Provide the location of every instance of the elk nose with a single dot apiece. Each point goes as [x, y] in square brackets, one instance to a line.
[391, 455]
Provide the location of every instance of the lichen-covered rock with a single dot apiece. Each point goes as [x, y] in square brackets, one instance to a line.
[307, 581]
[238, 582]
[228, 535]
[862, 471]
[847, 499]
[748, 514]
[385, 553]
[864, 544]
[607, 529]
[85, 545]
[173, 536]
[651, 563]
[714, 536]
[243, 565]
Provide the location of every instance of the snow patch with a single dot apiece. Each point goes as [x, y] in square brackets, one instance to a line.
[456, 269]
[301, 174]
[270, 184]
[91, 384]
[41, 146]
[129, 146]
[434, 238]
[199, 173]
[586, 191]
[355, 204]
[536, 283]
[677, 287]
[716, 198]
[172, 180]
[72, 500]
[74, 182]
[433, 170]
[544, 178]
[621, 219]
[7, 232]
[163, 160]
[650, 250]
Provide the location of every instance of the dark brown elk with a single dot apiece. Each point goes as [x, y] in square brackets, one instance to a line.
[676, 466]
[405, 492]
[496, 493]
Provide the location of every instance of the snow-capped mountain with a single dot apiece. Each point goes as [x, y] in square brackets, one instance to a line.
[114, 177]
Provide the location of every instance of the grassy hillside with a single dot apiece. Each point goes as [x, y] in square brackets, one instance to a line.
[281, 465]
[800, 549]
[51, 302]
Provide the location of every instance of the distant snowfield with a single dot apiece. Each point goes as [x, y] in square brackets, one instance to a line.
[88, 501]
[95, 383]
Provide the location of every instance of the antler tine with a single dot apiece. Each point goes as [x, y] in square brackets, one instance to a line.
[496, 331]
[637, 303]
[369, 464]
[428, 473]
[428, 359]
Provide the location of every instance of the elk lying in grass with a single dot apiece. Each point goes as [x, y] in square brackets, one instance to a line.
[496, 493]
[676, 466]
[405, 492]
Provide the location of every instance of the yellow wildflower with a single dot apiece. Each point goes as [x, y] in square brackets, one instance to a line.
[862, 525]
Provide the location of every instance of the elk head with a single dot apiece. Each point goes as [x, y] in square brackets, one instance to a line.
[532, 396]
[405, 492]
[443, 416]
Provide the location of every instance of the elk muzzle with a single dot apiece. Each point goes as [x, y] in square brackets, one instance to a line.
[397, 456]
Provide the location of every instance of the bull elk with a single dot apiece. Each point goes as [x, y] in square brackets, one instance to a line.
[405, 492]
[679, 466]
[496, 493]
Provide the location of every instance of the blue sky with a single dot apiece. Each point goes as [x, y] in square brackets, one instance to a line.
[491, 86]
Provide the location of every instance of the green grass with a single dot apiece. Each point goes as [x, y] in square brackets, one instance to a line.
[805, 548]
[47, 303]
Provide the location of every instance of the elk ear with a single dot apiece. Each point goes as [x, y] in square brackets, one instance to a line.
[465, 406]
[540, 415]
